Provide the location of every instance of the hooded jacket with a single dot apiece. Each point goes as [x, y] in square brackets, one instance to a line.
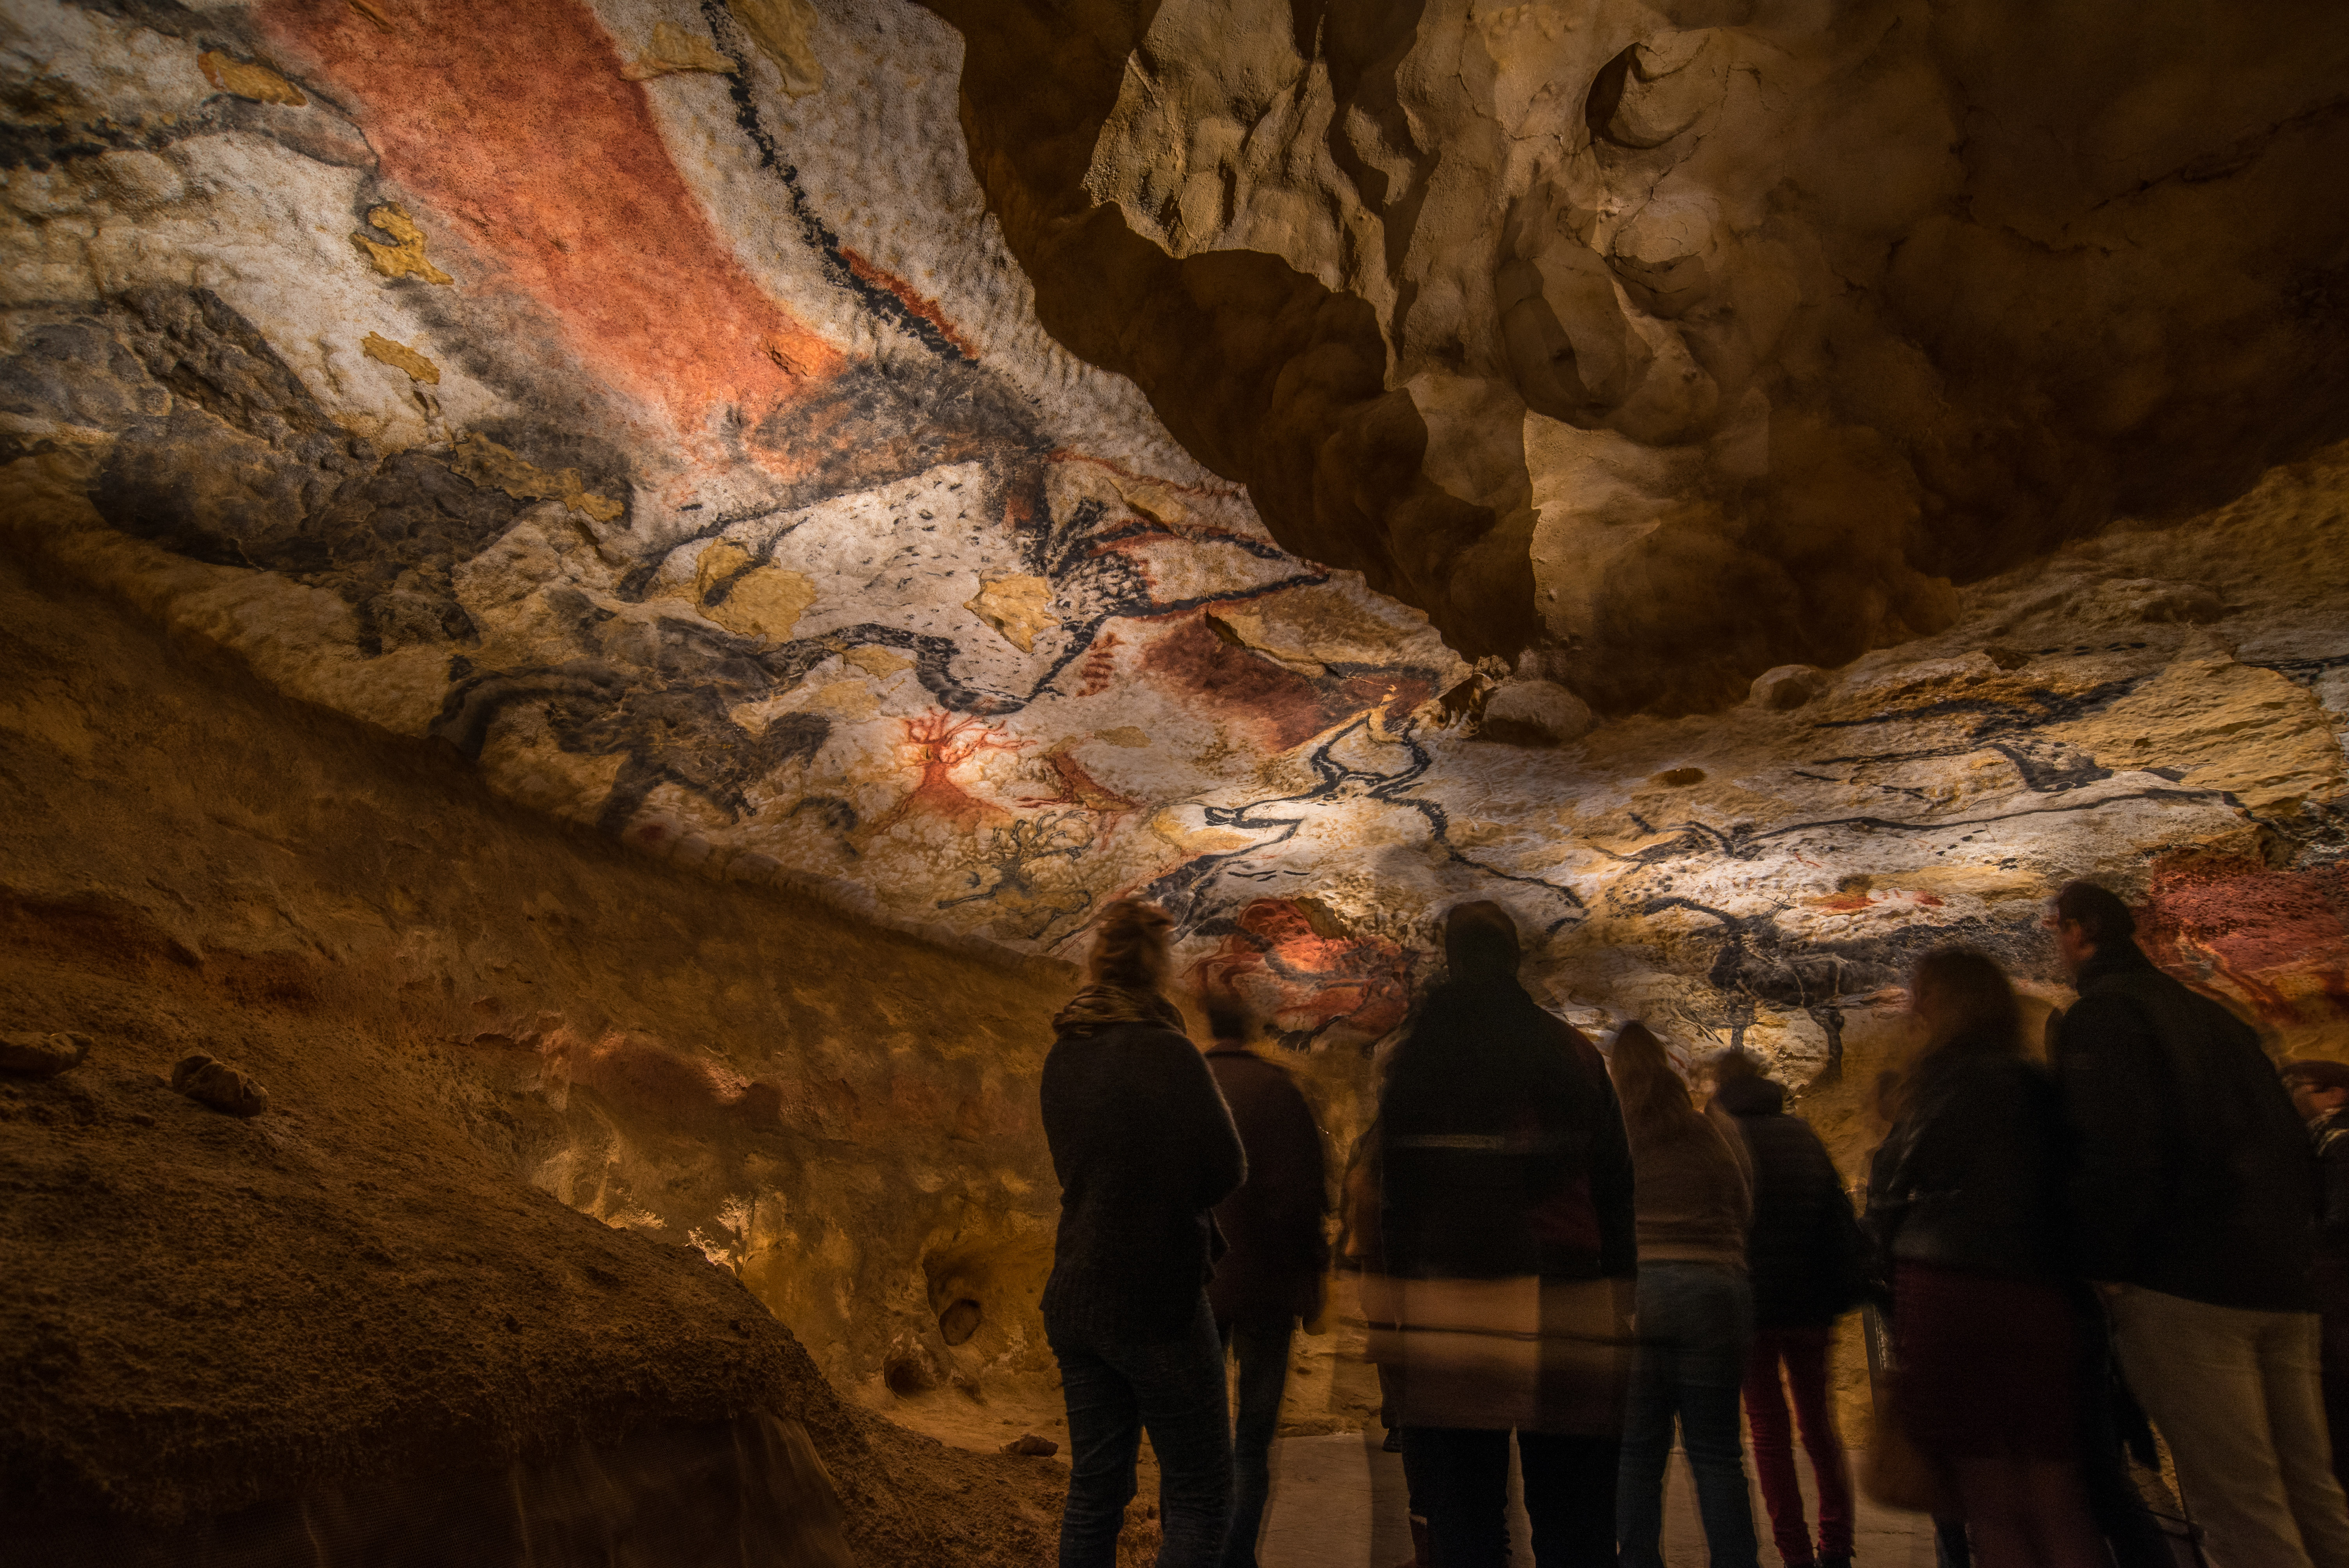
[1144, 1150]
[1800, 1248]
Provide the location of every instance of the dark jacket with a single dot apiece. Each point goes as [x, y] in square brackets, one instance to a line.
[1272, 1226]
[1801, 1248]
[2330, 1135]
[1972, 1176]
[2193, 1175]
[1144, 1150]
[1501, 1147]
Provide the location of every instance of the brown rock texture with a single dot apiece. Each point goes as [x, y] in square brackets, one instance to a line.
[619, 581]
[1685, 339]
[219, 1086]
[30, 1054]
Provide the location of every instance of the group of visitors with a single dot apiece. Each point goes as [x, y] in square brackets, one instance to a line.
[1566, 1254]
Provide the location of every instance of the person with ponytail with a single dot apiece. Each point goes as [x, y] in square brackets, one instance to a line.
[1144, 1150]
[1695, 1313]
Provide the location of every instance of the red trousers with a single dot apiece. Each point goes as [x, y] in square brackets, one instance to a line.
[1804, 1353]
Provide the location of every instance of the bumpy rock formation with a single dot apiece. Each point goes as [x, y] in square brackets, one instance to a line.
[1685, 339]
[1708, 479]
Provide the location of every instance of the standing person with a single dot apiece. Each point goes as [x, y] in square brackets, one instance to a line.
[1144, 1150]
[2196, 1211]
[1805, 1255]
[1506, 1234]
[1966, 1199]
[1272, 1273]
[1361, 1253]
[1695, 1312]
[2320, 1092]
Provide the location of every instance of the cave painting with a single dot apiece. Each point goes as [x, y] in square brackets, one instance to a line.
[694, 496]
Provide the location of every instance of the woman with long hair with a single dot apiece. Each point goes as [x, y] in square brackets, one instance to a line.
[1966, 1201]
[1144, 1150]
[1692, 1202]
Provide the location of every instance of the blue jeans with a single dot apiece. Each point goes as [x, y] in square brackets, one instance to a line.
[1695, 1326]
[1263, 1352]
[1116, 1390]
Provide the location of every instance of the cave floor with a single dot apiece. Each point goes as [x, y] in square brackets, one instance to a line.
[1338, 1502]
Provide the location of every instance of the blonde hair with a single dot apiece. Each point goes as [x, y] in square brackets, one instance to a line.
[1655, 1097]
[1129, 947]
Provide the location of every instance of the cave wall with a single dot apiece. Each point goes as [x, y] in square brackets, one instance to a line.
[1675, 342]
[961, 467]
[843, 1117]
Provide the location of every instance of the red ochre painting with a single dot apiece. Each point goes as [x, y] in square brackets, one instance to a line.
[513, 120]
[1315, 986]
[2274, 940]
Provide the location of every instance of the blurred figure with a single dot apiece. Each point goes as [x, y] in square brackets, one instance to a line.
[1144, 1150]
[1503, 1292]
[1360, 1252]
[2196, 1214]
[1271, 1273]
[1950, 1547]
[2320, 1092]
[1695, 1312]
[1966, 1200]
[1807, 1261]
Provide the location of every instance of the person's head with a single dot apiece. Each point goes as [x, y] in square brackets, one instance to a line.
[1130, 947]
[1731, 1064]
[1655, 1097]
[2318, 1087]
[1961, 992]
[2087, 919]
[1740, 1086]
[1230, 1021]
[1480, 941]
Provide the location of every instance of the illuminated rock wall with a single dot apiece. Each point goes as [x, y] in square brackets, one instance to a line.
[653, 403]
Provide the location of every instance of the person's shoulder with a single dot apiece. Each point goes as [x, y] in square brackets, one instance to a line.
[2111, 1009]
[1246, 1064]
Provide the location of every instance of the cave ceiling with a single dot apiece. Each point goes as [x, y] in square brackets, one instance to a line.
[1756, 489]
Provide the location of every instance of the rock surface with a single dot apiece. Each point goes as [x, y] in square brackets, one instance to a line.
[730, 459]
[529, 525]
[33, 1054]
[1690, 338]
[219, 1086]
[423, 1309]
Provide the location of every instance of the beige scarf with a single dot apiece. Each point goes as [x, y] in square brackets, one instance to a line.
[1099, 1008]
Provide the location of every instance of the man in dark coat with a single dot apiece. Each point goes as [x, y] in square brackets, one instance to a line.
[1508, 1253]
[1277, 1252]
[2320, 1092]
[1805, 1255]
[2196, 1208]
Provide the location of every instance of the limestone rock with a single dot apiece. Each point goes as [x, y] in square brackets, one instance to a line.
[1720, 398]
[33, 1054]
[1789, 685]
[1535, 713]
[218, 1084]
[1028, 1443]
